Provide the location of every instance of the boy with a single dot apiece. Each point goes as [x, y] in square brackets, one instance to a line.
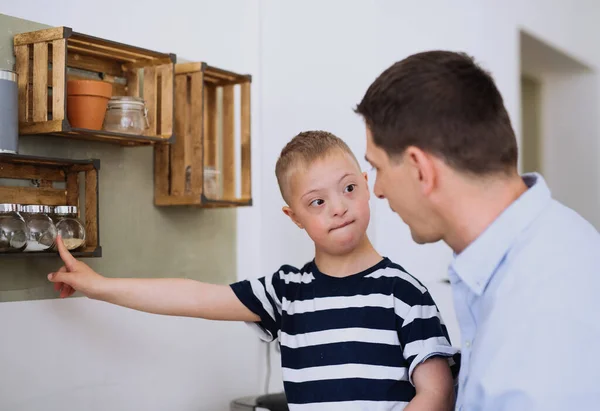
[356, 331]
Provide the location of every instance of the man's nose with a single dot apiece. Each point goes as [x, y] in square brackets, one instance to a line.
[377, 191]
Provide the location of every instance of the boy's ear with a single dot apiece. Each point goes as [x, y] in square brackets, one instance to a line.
[290, 213]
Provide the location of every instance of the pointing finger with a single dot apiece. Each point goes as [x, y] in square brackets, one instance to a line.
[65, 255]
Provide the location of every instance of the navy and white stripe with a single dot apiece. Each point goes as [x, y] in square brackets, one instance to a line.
[348, 343]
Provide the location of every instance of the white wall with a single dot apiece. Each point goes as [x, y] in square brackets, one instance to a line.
[568, 107]
[570, 157]
[78, 355]
[312, 63]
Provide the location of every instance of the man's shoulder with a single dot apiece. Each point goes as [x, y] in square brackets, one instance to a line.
[558, 239]
[570, 222]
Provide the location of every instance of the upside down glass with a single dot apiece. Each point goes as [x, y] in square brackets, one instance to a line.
[13, 229]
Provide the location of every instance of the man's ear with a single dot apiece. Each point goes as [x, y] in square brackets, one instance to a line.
[290, 213]
[423, 168]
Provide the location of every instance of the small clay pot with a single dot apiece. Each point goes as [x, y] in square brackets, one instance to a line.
[86, 103]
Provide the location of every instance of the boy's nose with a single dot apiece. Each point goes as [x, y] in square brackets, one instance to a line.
[340, 208]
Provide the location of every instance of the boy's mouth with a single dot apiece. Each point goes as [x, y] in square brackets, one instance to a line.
[342, 225]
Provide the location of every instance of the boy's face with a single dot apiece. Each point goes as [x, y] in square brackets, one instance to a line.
[329, 199]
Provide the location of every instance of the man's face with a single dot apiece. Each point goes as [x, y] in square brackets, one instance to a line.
[400, 180]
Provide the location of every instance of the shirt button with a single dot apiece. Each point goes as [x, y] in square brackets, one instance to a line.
[468, 344]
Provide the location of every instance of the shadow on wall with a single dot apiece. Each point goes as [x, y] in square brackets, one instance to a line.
[560, 130]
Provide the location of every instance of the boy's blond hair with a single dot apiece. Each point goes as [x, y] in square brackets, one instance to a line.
[302, 150]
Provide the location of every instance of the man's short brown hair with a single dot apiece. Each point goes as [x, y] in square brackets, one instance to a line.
[441, 102]
[302, 150]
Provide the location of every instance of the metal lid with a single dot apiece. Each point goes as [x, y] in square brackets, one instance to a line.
[8, 75]
[64, 210]
[126, 102]
[35, 208]
[7, 207]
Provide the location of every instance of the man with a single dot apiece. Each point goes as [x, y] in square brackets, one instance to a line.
[526, 272]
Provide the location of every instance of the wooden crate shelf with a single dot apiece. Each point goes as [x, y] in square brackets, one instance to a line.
[48, 172]
[47, 59]
[207, 113]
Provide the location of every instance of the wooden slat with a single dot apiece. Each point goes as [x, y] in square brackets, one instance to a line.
[188, 138]
[118, 88]
[145, 63]
[48, 102]
[150, 97]
[177, 201]
[22, 68]
[196, 144]
[41, 127]
[32, 195]
[210, 126]
[30, 172]
[95, 64]
[161, 171]
[125, 139]
[43, 35]
[133, 83]
[245, 129]
[185, 68]
[40, 82]
[228, 143]
[81, 167]
[73, 188]
[41, 161]
[166, 101]
[217, 73]
[112, 49]
[178, 164]
[59, 70]
[91, 208]
[115, 45]
[122, 58]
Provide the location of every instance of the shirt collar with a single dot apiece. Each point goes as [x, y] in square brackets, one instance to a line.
[476, 264]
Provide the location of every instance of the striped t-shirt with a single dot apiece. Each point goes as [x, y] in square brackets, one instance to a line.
[347, 343]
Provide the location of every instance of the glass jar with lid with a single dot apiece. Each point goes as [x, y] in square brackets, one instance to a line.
[69, 227]
[13, 229]
[126, 114]
[212, 187]
[41, 228]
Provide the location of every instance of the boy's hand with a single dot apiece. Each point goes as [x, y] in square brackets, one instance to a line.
[74, 275]
[168, 296]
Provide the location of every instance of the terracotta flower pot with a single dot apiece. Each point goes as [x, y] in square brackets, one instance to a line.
[86, 103]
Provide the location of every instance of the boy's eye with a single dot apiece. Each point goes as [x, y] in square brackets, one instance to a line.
[316, 202]
[350, 188]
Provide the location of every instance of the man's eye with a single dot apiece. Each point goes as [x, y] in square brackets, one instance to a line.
[350, 188]
[317, 202]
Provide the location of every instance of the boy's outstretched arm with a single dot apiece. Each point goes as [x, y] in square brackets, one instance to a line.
[167, 296]
[434, 385]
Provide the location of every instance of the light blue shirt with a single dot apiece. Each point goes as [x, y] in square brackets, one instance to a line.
[527, 298]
